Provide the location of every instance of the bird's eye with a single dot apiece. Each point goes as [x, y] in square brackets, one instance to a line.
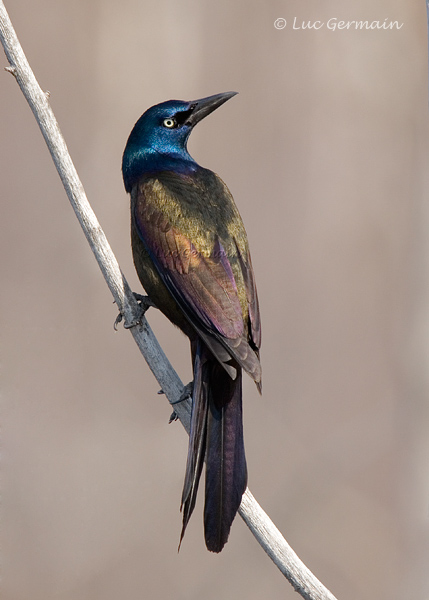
[170, 123]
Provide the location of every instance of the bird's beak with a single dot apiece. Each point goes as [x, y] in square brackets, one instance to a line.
[201, 108]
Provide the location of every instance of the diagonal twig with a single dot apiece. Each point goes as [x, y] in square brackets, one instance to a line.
[258, 522]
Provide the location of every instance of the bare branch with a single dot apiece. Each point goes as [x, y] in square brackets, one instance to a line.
[259, 523]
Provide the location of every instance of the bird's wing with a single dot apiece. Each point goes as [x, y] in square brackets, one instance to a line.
[252, 299]
[202, 283]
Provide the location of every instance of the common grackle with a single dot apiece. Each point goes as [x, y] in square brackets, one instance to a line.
[191, 254]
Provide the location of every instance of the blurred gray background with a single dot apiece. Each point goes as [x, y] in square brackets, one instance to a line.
[325, 151]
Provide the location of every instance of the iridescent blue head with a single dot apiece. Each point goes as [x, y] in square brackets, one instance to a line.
[158, 139]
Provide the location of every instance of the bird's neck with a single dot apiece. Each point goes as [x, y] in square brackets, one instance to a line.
[144, 161]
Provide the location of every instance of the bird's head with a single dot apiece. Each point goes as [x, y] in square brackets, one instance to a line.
[160, 135]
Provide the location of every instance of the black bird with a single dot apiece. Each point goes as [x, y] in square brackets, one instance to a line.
[191, 254]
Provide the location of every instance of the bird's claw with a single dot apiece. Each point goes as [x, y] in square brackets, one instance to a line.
[186, 393]
[173, 417]
[144, 303]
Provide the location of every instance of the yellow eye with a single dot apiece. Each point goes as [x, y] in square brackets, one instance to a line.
[170, 123]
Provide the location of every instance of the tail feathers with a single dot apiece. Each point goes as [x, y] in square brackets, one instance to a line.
[197, 436]
[216, 436]
[226, 471]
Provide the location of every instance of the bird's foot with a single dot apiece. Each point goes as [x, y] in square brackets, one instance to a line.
[186, 393]
[144, 303]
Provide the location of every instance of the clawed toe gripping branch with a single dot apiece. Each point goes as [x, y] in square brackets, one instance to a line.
[144, 303]
[185, 396]
[301, 578]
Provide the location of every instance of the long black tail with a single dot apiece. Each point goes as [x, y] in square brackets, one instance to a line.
[216, 436]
